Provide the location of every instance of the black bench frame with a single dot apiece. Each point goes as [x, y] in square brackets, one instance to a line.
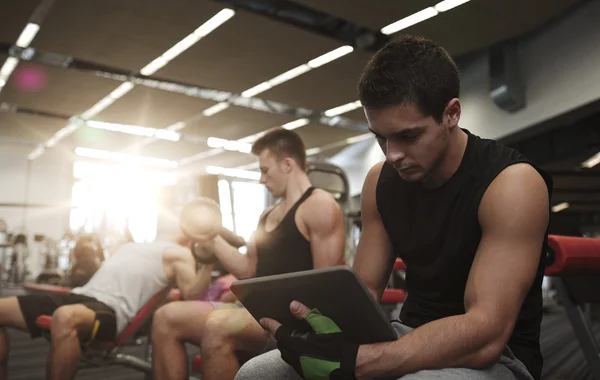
[574, 292]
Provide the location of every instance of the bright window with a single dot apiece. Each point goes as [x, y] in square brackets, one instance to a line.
[242, 203]
[111, 198]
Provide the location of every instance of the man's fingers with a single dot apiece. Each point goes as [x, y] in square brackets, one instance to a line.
[270, 325]
[299, 310]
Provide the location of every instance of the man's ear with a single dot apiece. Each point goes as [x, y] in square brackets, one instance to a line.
[288, 164]
[452, 113]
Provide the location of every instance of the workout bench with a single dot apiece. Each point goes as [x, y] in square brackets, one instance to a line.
[108, 353]
[574, 265]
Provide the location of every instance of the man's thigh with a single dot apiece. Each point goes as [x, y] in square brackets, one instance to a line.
[184, 319]
[241, 327]
[270, 366]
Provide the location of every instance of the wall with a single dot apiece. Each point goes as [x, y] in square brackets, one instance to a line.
[50, 182]
[559, 65]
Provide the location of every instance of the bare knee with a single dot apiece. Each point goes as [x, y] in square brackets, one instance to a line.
[71, 320]
[218, 329]
[164, 324]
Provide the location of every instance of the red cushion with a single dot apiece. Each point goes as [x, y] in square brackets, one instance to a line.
[197, 364]
[574, 255]
[44, 321]
[141, 316]
[46, 288]
[391, 296]
[399, 265]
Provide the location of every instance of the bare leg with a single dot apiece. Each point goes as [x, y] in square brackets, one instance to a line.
[10, 316]
[69, 323]
[172, 325]
[226, 332]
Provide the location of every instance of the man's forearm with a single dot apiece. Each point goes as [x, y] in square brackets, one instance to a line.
[460, 341]
[199, 284]
[235, 263]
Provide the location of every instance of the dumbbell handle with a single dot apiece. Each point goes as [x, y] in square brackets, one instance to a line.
[231, 238]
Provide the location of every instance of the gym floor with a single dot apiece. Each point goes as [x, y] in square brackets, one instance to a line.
[563, 358]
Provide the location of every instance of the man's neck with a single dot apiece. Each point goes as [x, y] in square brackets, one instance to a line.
[296, 187]
[451, 160]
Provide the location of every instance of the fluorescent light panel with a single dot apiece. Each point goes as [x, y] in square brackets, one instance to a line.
[7, 69]
[123, 157]
[187, 42]
[27, 35]
[162, 134]
[290, 74]
[98, 107]
[297, 71]
[120, 91]
[216, 21]
[331, 56]
[446, 5]
[215, 109]
[253, 91]
[561, 206]
[295, 124]
[343, 109]
[61, 134]
[592, 161]
[234, 146]
[36, 153]
[409, 21]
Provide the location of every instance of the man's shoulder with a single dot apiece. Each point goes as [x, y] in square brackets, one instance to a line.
[319, 204]
[318, 199]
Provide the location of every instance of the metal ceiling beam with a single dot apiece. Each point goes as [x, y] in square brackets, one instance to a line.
[314, 21]
[11, 108]
[120, 75]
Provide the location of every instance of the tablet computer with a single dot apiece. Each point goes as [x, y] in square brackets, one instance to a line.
[337, 292]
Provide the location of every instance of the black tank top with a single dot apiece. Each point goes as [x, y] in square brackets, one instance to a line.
[284, 249]
[436, 232]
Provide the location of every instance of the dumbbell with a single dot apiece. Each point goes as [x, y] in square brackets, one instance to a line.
[201, 221]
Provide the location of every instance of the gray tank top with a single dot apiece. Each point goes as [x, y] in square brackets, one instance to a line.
[129, 279]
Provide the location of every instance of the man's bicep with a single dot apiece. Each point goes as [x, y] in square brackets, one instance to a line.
[374, 254]
[513, 216]
[326, 234]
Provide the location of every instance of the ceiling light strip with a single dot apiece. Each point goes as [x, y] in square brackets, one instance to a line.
[202, 31]
[409, 21]
[123, 157]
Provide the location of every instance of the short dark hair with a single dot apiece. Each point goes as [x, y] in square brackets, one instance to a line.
[413, 70]
[283, 143]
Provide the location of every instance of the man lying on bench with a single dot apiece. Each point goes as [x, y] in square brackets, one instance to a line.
[108, 302]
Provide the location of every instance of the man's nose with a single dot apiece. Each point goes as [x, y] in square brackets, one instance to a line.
[394, 153]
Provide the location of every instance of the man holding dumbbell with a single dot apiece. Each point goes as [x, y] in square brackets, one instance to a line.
[303, 231]
[102, 308]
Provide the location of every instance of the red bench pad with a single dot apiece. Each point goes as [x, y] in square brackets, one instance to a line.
[573, 255]
[399, 265]
[391, 296]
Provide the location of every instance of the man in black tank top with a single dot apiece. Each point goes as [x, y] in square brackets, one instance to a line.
[468, 216]
[305, 230]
